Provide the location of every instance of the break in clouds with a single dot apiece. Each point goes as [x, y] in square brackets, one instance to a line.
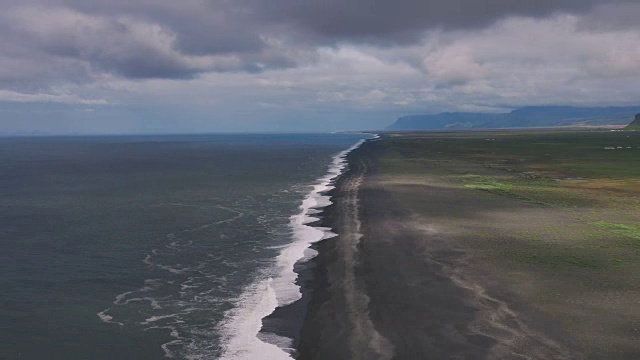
[348, 56]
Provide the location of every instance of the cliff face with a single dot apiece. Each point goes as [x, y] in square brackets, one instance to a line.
[531, 116]
[635, 124]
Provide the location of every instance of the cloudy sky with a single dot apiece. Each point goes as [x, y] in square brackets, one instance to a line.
[149, 66]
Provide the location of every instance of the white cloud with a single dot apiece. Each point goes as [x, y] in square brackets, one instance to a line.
[453, 65]
[7, 95]
[534, 61]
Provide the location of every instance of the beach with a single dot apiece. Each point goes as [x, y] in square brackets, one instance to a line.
[427, 266]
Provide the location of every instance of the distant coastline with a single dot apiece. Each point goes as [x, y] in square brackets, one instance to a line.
[526, 117]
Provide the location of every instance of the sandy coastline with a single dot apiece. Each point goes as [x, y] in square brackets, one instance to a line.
[393, 287]
[337, 324]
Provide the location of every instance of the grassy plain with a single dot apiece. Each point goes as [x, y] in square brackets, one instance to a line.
[553, 215]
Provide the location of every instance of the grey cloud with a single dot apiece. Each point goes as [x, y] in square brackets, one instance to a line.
[239, 26]
[609, 17]
[125, 44]
[179, 39]
[401, 21]
[141, 40]
[201, 27]
[51, 42]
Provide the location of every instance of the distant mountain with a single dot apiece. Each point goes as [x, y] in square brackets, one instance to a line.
[635, 124]
[530, 116]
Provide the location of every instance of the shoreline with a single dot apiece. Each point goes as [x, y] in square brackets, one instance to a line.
[283, 325]
[268, 320]
[336, 323]
[396, 288]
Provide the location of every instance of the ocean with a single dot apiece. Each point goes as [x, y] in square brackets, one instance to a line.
[157, 246]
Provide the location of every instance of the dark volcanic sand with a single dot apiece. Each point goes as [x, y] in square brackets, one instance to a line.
[399, 292]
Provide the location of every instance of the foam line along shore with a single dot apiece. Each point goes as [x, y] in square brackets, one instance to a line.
[268, 300]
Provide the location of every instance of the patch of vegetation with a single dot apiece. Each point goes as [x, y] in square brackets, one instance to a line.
[486, 184]
[558, 257]
[559, 168]
[491, 185]
[562, 260]
[565, 154]
[631, 231]
[544, 192]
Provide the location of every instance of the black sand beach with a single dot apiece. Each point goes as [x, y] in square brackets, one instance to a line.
[398, 292]
[409, 276]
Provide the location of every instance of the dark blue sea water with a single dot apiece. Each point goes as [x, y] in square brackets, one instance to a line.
[146, 247]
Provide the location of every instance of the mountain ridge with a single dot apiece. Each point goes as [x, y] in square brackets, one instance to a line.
[528, 116]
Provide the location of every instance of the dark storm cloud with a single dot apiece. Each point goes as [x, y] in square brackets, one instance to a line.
[180, 39]
[401, 21]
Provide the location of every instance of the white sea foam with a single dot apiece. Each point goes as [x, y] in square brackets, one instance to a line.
[156, 318]
[108, 318]
[166, 346]
[240, 330]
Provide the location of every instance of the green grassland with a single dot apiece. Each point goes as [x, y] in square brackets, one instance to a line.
[571, 168]
[594, 173]
[566, 234]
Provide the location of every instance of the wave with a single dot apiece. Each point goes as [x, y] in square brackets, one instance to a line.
[242, 326]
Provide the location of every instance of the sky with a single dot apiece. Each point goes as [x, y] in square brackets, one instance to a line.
[191, 66]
